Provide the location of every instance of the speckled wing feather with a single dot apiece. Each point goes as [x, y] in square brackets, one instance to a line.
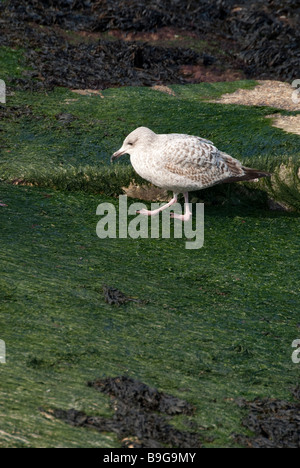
[199, 160]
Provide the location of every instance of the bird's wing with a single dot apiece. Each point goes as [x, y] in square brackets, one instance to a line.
[199, 160]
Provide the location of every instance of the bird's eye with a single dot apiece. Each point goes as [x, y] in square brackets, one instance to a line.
[130, 143]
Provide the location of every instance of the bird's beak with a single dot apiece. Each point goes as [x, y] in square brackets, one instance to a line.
[117, 155]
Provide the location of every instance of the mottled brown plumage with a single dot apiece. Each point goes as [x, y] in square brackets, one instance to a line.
[181, 163]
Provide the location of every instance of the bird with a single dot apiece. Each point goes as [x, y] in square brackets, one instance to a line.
[181, 163]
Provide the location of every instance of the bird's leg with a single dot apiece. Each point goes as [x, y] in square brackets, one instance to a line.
[155, 212]
[187, 213]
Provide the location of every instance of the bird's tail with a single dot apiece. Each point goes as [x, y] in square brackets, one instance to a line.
[249, 174]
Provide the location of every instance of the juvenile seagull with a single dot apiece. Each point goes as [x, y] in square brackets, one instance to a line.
[181, 163]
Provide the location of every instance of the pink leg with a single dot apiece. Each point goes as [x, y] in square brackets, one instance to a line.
[155, 212]
[187, 213]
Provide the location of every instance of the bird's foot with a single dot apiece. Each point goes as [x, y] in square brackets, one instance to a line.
[147, 212]
[186, 217]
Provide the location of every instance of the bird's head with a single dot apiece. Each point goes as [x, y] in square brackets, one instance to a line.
[134, 142]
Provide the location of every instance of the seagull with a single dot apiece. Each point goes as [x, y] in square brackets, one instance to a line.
[181, 163]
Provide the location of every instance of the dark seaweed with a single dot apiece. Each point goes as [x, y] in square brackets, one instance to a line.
[265, 39]
[275, 423]
[114, 296]
[136, 420]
